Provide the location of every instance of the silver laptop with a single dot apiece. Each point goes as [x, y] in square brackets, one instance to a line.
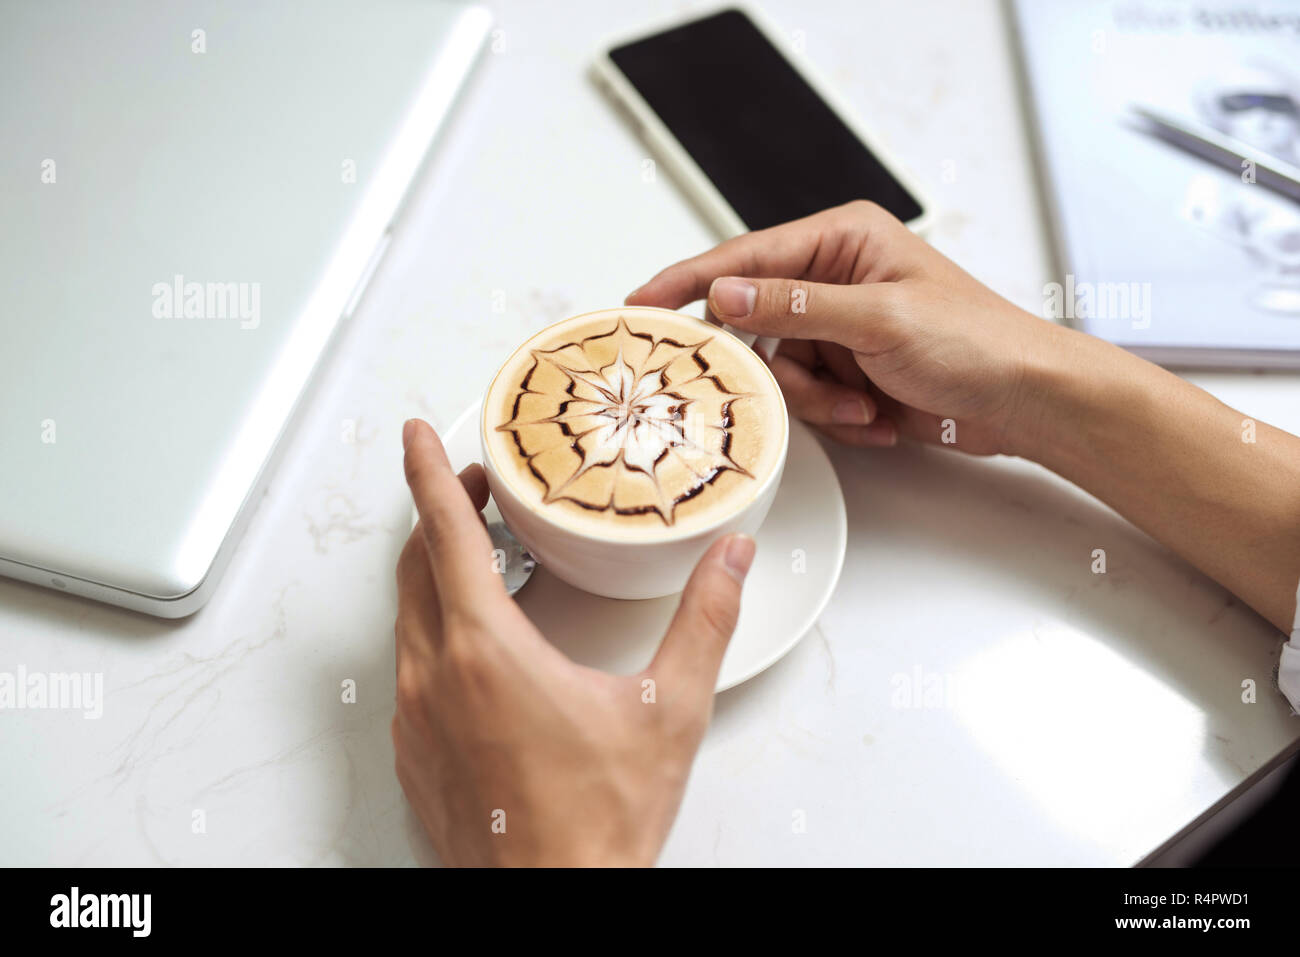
[194, 195]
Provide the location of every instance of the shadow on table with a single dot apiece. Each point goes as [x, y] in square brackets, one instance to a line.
[49, 607]
[1023, 526]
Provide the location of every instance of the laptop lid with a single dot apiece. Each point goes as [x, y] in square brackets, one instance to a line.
[192, 194]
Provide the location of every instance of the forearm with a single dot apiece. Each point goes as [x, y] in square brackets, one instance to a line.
[1218, 488]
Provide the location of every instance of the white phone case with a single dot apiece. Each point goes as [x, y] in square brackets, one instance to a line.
[682, 166]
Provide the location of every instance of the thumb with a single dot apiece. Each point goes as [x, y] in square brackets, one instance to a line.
[856, 316]
[697, 638]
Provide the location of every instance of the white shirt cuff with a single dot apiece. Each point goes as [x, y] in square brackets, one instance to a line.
[1288, 673]
[1288, 668]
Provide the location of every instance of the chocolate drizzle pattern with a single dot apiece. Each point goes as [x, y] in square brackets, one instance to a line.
[625, 422]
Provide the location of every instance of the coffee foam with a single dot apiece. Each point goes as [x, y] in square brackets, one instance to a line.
[637, 421]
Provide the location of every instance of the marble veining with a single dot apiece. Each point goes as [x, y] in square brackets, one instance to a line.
[973, 694]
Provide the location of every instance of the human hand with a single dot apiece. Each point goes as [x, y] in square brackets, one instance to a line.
[881, 334]
[879, 327]
[508, 751]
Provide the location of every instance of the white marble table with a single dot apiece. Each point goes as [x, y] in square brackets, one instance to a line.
[1073, 718]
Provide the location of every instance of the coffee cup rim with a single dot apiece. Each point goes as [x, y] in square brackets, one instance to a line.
[711, 528]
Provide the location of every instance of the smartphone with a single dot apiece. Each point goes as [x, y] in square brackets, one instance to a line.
[745, 127]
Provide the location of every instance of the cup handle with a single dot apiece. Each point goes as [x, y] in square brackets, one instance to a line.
[765, 346]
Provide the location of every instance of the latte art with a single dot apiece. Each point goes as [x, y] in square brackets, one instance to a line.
[635, 420]
[647, 431]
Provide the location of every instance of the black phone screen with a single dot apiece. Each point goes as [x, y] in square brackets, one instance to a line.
[768, 142]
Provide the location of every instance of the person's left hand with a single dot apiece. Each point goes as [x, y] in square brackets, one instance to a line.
[508, 751]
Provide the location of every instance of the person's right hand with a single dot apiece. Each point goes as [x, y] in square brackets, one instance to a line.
[882, 334]
[509, 752]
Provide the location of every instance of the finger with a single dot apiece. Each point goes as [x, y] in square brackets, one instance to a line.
[418, 624]
[880, 433]
[842, 364]
[825, 359]
[821, 401]
[763, 348]
[697, 638]
[460, 552]
[475, 481]
[476, 487]
[861, 317]
[785, 250]
[814, 246]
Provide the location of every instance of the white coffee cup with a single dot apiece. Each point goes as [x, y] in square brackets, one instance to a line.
[616, 567]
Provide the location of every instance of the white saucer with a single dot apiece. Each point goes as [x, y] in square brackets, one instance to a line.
[800, 554]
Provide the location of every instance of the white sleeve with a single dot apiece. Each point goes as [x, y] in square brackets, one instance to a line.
[1288, 669]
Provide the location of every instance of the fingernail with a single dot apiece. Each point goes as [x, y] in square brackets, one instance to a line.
[851, 412]
[407, 431]
[733, 298]
[740, 555]
[632, 295]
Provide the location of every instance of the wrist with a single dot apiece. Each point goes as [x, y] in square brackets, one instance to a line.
[1071, 383]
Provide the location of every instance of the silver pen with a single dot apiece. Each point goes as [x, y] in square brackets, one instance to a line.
[1208, 143]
